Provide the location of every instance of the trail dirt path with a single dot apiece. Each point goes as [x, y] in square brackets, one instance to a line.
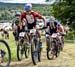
[66, 59]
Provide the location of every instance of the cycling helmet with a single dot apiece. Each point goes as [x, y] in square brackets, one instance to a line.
[52, 19]
[28, 7]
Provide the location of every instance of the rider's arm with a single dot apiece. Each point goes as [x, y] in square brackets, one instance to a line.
[63, 32]
[21, 19]
[60, 29]
[40, 17]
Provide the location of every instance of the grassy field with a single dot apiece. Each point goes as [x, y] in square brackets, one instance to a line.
[66, 58]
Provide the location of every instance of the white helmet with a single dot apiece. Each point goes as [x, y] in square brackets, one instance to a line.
[52, 19]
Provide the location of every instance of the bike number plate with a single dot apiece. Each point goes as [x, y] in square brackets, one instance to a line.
[33, 31]
[22, 34]
[47, 35]
[54, 35]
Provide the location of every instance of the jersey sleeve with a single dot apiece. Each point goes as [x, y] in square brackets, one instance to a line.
[39, 16]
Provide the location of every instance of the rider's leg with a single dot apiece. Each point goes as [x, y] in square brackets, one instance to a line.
[60, 42]
[41, 44]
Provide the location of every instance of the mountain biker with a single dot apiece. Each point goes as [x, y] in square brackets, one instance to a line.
[53, 27]
[30, 18]
[15, 25]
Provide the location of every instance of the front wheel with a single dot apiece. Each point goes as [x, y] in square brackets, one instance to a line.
[5, 54]
[34, 51]
[49, 47]
[27, 50]
[39, 55]
[20, 51]
[51, 52]
[26, 53]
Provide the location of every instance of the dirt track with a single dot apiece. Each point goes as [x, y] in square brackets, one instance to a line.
[66, 59]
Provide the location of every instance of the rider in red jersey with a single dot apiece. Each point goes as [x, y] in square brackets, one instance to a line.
[30, 18]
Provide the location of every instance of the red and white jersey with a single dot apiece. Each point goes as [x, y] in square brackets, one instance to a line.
[30, 18]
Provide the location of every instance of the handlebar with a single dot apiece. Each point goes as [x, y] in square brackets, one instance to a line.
[36, 29]
[42, 28]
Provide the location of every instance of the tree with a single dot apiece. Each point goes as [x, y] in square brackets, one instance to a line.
[64, 10]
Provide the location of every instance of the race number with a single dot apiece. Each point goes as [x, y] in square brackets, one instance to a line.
[22, 34]
[33, 31]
